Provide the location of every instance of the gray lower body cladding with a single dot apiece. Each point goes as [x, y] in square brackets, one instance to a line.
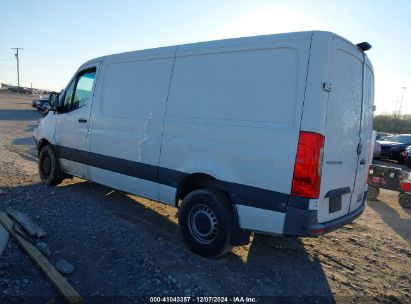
[301, 222]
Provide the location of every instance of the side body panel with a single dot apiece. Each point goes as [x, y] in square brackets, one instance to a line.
[127, 121]
[234, 113]
[46, 129]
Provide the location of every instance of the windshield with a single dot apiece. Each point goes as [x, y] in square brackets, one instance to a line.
[400, 138]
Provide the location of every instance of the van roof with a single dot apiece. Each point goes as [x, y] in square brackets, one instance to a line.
[201, 47]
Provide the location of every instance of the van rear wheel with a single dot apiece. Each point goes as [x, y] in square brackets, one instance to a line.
[49, 167]
[205, 220]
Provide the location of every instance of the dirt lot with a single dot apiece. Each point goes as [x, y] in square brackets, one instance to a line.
[125, 248]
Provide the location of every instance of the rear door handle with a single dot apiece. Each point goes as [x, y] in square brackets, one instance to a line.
[363, 162]
[82, 120]
[359, 148]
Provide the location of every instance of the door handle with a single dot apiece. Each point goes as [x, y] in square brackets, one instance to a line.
[362, 162]
[82, 120]
[359, 148]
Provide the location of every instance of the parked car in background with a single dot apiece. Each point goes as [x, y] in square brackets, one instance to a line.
[383, 135]
[41, 102]
[394, 147]
[34, 101]
[388, 137]
[45, 107]
[377, 150]
[407, 156]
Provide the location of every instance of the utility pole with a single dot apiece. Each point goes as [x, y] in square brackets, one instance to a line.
[402, 97]
[18, 69]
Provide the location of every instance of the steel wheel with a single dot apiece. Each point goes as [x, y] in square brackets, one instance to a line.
[49, 168]
[206, 221]
[46, 167]
[203, 224]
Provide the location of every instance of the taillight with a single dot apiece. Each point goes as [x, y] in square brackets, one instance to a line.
[308, 164]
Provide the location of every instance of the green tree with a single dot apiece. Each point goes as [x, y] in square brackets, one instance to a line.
[393, 123]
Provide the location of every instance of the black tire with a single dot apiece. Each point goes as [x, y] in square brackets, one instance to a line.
[205, 220]
[372, 193]
[49, 167]
[405, 200]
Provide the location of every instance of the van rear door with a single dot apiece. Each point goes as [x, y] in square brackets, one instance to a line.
[365, 136]
[342, 147]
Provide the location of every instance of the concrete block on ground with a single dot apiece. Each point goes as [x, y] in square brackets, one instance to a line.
[32, 228]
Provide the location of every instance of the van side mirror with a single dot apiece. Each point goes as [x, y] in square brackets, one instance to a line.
[54, 99]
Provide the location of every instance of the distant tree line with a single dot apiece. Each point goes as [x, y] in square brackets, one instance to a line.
[393, 123]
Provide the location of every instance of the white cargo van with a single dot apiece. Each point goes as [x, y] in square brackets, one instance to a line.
[270, 134]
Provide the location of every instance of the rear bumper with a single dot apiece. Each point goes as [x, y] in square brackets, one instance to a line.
[301, 222]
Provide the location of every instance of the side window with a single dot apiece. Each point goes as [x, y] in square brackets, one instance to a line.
[84, 89]
[68, 97]
[79, 91]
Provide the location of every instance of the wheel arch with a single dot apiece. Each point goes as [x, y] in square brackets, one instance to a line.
[197, 181]
[42, 143]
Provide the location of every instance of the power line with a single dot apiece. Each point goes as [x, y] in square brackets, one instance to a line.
[18, 70]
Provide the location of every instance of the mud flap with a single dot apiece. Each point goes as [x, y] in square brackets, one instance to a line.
[239, 237]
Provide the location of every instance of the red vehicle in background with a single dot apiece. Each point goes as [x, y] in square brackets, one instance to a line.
[390, 178]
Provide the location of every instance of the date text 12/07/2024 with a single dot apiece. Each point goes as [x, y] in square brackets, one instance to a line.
[200, 299]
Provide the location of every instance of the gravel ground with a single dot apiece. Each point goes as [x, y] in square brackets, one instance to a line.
[125, 248]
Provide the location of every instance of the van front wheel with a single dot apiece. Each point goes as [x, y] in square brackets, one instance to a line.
[205, 221]
[49, 168]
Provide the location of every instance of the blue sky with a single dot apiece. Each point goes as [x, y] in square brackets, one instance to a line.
[58, 36]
